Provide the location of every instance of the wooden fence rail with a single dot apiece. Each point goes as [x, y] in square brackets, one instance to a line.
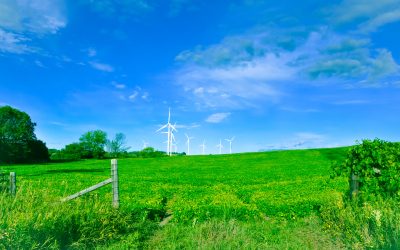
[113, 180]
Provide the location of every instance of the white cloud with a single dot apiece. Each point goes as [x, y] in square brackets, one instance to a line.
[351, 102]
[133, 96]
[189, 126]
[217, 117]
[145, 95]
[39, 64]
[309, 136]
[91, 52]
[36, 16]
[102, 66]
[370, 15]
[122, 9]
[118, 85]
[21, 21]
[14, 43]
[302, 140]
[235, 86]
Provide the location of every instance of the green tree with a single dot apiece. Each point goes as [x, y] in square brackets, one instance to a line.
[93, 143]
[18, 141]
[117, 146]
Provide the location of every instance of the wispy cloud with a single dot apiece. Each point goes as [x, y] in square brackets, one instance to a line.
[351, 102]
[368, 16]
[217, 117]
[138, 94]
[39, 64]
[145, 95]
[227, 75]
[14, 43]
[122, 10]
[91, 52]
[22, 21]
[102, 66]
[118, 85]
[250, 70]
[187, 126]
[301, 140]
[132, 97]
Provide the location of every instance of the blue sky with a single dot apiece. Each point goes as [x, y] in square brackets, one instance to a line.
[274, 74]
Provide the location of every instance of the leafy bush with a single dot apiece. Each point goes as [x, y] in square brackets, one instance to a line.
[377, 165]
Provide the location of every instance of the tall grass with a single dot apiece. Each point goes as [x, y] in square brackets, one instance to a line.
[35, 220]
[372, 224]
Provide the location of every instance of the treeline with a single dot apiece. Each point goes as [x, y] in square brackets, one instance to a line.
[18, 143]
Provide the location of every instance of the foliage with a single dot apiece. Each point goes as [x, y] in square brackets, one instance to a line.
[18, 141]
[150, 152]
[377, 164]
[71, 152]
[116, 147]
[36, 221]
[16, 126]
[273, 200]
[93, 143]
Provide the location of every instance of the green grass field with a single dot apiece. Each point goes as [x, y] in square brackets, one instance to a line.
[252, 201]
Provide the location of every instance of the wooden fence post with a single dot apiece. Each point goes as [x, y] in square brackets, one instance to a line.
[114, 177]
[13, 183]
[354, 185]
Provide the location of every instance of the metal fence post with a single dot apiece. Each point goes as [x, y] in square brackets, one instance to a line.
[114, 177]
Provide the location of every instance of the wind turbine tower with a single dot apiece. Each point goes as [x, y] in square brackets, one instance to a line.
[188, 143]
[220, 146]
[145, 144]
[203, 146]
[170, 129]
[230, 144]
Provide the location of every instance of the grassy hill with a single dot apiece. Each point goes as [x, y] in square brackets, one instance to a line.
[250, 200]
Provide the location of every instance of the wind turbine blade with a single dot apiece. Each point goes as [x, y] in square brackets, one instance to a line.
[174, 127]
[233, 138]
[173, 137]
[162, 128]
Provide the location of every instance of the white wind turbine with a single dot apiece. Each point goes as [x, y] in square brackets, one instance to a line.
[145, 144]
[230, 144]
[170, 128]
[220, 146]
[188, 143]
[203, 146]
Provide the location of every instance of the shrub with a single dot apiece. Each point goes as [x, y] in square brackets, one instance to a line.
[377, 165]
